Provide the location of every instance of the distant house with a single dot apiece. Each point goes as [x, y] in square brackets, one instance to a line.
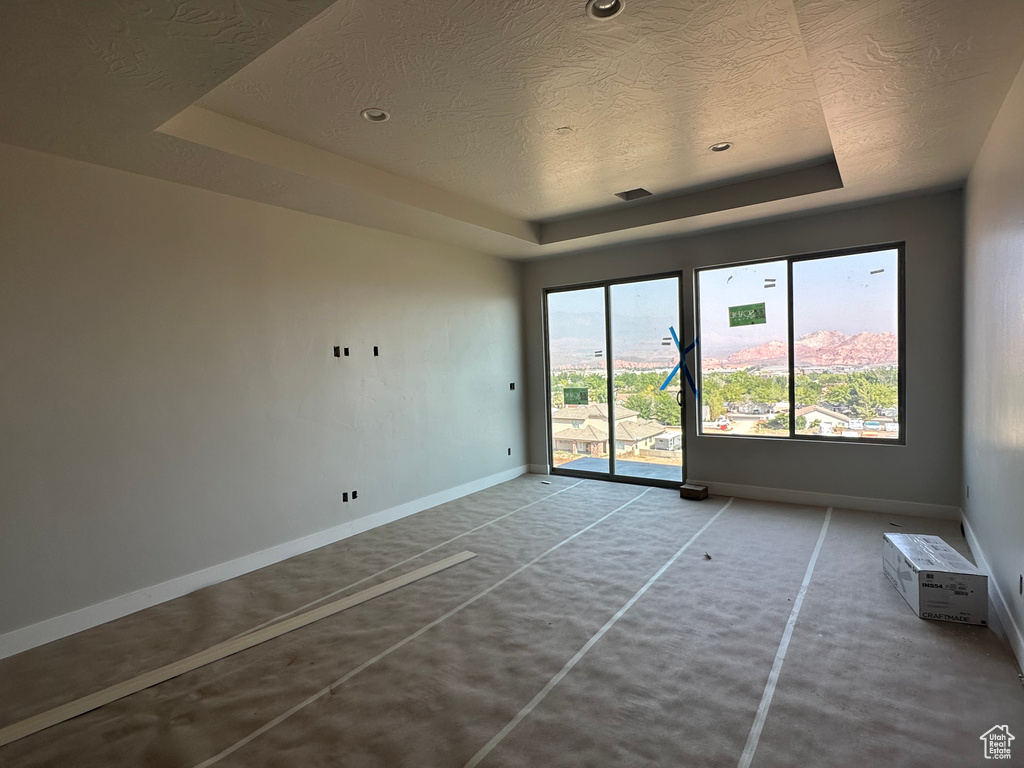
[589, 440]
[670, 441]
[825, 417]
[577, 416]
[748, 408]
[584, 429]
[634, 435]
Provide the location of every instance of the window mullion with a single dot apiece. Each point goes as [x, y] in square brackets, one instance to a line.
[792, 349]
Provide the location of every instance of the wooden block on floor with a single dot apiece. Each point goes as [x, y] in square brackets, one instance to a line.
[691, 491]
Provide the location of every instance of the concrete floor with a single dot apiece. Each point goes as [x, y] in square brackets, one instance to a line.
[626, 468]
[591, 630]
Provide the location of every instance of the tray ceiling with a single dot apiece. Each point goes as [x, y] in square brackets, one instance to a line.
[514, 124]
[535, 109]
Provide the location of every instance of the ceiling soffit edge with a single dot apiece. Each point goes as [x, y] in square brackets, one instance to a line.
[209, 129]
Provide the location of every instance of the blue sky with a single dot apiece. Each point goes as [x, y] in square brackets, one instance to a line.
[835, 294]
[642, 313]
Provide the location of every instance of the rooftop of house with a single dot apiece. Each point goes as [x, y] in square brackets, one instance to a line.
[592, 411]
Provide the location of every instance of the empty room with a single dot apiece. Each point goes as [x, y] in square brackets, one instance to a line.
[543, 383]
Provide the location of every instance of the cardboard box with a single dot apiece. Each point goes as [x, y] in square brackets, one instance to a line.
[936, 580]
[695, 492]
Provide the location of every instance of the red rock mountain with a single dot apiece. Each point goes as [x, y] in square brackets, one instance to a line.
[769, 353]
[822, 348]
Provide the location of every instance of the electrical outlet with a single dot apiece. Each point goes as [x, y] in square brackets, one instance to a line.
[344, 496]
[968, 491]
[1020, 586]
[512, 386]
[337, 351]
[509, 451]
[346, 351]
[355, 495]
[376, 352]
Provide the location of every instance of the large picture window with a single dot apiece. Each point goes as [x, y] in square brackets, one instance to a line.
[804, 347]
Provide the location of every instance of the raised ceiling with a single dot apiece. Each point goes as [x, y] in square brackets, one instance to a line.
[513, 124]
[535, 109]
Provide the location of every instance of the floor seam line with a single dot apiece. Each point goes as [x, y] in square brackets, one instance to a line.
[401, 563]
[780, 655]
[525, 711]
[422, 630]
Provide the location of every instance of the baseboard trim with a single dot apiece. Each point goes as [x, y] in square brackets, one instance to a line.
[1006, 626]
[867, 504]
[48, 630]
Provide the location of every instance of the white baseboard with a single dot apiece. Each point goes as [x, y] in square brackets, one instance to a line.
[864, 503]
[66, 624]
[1006, 624]
[539, 469]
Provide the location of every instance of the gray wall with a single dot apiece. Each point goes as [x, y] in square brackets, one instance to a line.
[170, 400]
[927, 469]
[994, 353]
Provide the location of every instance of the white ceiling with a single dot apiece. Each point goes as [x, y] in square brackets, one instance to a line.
[828, 103]
[535, 109]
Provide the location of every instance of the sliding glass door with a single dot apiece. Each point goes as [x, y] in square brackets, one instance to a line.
[614, 381]
[577, 342]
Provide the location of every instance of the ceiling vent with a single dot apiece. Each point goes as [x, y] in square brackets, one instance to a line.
[633, 194]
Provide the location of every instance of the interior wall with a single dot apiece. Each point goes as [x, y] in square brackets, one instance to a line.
[927, 470]
[994, 355]
[170, 396]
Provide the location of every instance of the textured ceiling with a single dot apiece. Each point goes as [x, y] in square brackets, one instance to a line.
[535, 109]
[910, 87]
[260, 99]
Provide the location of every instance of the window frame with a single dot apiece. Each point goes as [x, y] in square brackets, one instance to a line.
[606, 285]
[901, 383]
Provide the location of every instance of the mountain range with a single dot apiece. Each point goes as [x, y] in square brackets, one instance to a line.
[823, 349]
[817, 349]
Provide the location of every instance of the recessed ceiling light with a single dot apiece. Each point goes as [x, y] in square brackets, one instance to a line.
[375, 114]
[720, 146]
[602, 10]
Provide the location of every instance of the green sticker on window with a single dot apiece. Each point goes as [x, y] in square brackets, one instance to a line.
[747, 314]
[575, 395]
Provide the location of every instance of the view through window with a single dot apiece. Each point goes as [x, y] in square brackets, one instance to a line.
[845, 376]
[579, 379]
[632, 429]
[648, 419]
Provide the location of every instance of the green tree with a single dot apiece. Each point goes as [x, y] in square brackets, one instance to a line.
[808, 391]
[641, 404]
[711, 396]
[781, 422]
[665, 408]
[868, 397]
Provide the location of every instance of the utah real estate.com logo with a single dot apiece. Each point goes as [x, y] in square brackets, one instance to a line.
[997, 742]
